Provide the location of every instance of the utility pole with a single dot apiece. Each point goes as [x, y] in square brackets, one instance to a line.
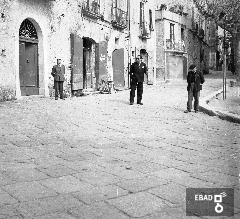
[129, 40]
[222, 16]
[225, 66]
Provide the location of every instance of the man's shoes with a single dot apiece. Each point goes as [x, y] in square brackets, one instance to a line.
[187, 111]
[196, 111]
[56, 98]
[131, 103]
[140, 103]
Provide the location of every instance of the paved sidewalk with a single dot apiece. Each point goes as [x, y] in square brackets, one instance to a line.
[231, 103]
[99, 157]
[227, 109]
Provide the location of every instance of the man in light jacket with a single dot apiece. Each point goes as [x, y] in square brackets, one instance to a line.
[58, 72]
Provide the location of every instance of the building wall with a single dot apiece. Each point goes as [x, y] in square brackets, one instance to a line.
[160, 47]
[14, 13]
[99, 30]
[212, 36]
[170, 61]
[136, 42]
[197, 49]
[54, 21]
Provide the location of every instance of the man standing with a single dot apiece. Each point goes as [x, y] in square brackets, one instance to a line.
[137, 70]
[195, 80]
[58, 72]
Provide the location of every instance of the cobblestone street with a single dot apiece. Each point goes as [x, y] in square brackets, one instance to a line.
[98, 157]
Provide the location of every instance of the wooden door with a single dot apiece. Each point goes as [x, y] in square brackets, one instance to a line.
[145, 60]
[21, 64]
[28, 68]
[175, 67]
[77, 62]
[118, 68]
[87, 69]
[101, 62]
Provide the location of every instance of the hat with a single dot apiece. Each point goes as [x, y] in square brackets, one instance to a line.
[192, 67]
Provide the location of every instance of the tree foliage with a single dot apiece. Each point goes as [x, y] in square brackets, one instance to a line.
[225, 12]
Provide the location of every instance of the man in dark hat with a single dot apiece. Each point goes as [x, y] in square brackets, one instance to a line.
[137, 71]
[195, 80]
[58, 72]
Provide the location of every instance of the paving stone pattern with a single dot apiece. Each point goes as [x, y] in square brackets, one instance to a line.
[98, 157]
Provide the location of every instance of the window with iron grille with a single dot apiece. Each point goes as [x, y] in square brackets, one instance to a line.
[119, 13]
[27, 30]
[92, 6]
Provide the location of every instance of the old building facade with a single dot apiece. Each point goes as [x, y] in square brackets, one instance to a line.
[96, 39]
[183, 37]
[142, 36]
[172, 56]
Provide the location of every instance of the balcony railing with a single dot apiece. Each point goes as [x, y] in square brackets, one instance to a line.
[91, 8]
[175, 46]
[119, 18]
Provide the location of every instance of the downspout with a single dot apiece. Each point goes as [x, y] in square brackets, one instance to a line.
[129, 41]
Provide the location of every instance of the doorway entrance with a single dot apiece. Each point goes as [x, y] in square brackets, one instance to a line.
[89, 77]
[118, 68]
[144, 54]
[175, 66]
[28, 59]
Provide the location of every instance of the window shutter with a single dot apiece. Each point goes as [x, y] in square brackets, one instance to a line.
[118, 68]
[141, 14]
[77, 62]
[150, 20]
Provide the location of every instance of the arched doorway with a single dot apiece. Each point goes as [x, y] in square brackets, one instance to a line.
[118, 68]
[28, 59]
[144, 54]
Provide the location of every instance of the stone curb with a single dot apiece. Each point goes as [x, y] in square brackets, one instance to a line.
[224, 115]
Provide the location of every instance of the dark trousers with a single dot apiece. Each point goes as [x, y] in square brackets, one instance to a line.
[139, 86]
[193, 94]
[58, 85]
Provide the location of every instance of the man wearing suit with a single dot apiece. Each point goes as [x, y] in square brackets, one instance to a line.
[195, 80]
[58, 72]
[137, 71]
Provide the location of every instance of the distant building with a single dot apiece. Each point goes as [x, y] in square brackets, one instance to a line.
[224, 39]
[182, 38]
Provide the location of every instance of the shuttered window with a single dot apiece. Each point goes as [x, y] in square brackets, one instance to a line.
[141, 14]
[150, 20]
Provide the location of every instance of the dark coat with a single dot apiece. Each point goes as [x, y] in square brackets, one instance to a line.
[137, 71]
[58, 72]
[195, 80]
